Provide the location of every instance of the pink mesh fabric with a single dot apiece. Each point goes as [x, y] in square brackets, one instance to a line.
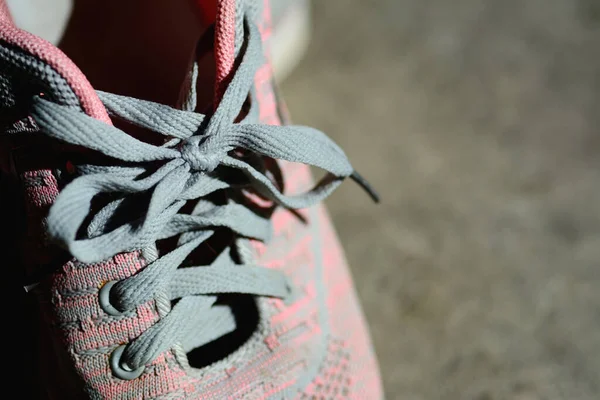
[224, 43]
[314, 347]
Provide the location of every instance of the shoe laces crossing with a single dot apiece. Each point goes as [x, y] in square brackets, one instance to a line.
[185, 168]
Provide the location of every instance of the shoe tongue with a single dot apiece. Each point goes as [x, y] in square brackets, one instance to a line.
[229, 35]
[215, 54]
[196, 92]
[227, 15]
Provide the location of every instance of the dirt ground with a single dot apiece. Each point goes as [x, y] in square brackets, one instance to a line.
[479, 122]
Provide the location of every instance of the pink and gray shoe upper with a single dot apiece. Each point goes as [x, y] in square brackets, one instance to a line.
[189, 266]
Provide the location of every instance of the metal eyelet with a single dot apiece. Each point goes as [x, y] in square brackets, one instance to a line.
[120, 370]
[104, 299]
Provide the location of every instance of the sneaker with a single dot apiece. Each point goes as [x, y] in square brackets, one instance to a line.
[179, 259]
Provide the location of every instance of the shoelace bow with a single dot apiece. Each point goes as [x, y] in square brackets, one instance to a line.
[197, 146]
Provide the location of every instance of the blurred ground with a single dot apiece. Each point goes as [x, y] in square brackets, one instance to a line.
[479, 122]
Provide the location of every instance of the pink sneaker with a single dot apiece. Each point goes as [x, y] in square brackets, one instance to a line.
[168, 262]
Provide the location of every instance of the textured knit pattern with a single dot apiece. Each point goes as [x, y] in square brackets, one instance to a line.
[314, 346]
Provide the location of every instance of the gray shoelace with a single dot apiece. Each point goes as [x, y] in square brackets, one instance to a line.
[172, 174]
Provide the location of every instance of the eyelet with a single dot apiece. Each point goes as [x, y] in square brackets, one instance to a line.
[104, 300]
[122, 371]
